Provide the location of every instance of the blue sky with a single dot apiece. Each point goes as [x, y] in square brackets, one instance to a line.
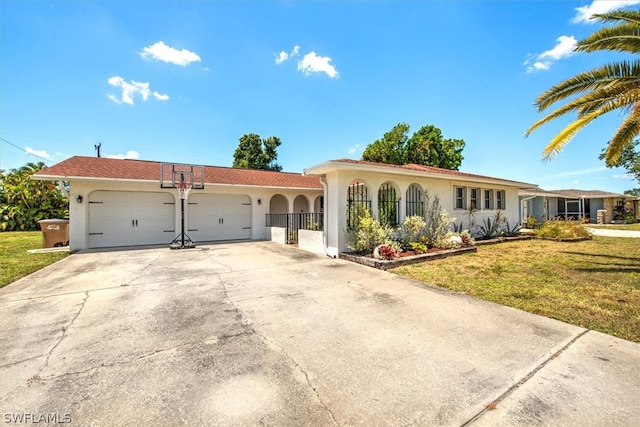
[183, 81]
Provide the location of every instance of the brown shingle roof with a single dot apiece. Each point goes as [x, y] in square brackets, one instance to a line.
[141, 170]
[588, 193]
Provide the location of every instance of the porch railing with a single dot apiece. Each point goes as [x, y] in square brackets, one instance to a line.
[296, 221]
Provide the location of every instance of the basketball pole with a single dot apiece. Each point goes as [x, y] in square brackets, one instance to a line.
[183, 192]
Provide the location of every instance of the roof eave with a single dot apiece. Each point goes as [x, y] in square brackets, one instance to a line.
[89, 179]
[330, 166]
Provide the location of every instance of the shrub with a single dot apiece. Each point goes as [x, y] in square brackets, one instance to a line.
[532, 222]
[368, 234]
[563, 230]
[467, 238]
[419, 247]
[411, 229]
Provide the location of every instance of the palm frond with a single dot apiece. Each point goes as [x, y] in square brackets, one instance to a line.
[589, 80]
[562, 138]
[628, 130]
[632, 16]
[623, 38]
[626, 94]
[616, 96]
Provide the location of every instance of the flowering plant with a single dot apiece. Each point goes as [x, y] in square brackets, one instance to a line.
[386, 252]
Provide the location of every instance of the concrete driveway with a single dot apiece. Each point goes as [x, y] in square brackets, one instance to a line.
[256, 333]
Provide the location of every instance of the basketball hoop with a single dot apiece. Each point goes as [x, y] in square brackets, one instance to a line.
[183, 189]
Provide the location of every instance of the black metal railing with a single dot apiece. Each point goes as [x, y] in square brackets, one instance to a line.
[293, 222]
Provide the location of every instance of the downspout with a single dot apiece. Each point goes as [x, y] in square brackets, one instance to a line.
[325, 239]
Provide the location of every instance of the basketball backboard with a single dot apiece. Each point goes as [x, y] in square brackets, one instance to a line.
[172, 174]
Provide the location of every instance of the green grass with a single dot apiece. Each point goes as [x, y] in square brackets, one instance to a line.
[16, 262]
[594, 284]
[634, 227]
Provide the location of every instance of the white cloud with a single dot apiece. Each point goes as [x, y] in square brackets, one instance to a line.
[579, 172]
[356, 148]
[283, 56]
[312, 63]
[565, 47]
[131, 89]
[39, 153]
[624, 176]
[584, 13]
[129, 155]
[161, 52]
[160, 97]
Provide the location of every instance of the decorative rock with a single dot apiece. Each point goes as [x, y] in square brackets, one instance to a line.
[456, 240]
[376, 252]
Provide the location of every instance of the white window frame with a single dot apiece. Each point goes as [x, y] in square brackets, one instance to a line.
[490, 200]
[459, 195]
[501, 200]
[474, 200]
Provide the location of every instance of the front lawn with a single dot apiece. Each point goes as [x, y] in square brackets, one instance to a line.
[594, 284]
[16, 262]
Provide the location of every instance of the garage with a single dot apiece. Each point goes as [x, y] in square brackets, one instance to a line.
[124, 218]
[214, 217]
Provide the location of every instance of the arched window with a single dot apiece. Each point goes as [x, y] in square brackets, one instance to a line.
[415, 200]
[388, 205]
[357, 202]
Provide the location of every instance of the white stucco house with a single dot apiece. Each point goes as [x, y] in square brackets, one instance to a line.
[117, 202]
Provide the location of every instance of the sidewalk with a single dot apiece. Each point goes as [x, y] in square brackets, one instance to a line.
[614, 233]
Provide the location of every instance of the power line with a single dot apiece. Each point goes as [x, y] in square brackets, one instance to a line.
[20, 148]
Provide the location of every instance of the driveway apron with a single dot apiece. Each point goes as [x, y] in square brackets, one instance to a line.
[257, 333]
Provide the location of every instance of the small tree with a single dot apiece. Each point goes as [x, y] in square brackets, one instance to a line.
[256, 153]
[438, 222]
[24, 202]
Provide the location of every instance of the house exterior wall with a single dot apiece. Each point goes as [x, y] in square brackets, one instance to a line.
[594, 206]
[608, 206]
[338, 182]
[79, 212]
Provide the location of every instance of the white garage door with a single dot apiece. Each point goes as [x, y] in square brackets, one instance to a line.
[218, 217]
[125, 218]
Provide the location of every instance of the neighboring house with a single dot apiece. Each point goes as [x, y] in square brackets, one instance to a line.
[573, 204]
[121, 202]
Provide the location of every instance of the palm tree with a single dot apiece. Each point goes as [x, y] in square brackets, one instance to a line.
[614, 86]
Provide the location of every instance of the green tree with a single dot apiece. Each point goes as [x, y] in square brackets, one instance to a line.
[633, 192]
[391, 148]
[613, 86]
[428, 147]
[629, 159]
[254, 152]
[24, 202]
[424, 147]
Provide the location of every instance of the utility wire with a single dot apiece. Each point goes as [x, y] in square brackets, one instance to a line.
[20, 148]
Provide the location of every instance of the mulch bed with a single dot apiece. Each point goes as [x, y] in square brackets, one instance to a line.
[405, 258]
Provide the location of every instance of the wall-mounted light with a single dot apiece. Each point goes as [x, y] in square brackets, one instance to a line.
[79, 198]
[259, 201]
